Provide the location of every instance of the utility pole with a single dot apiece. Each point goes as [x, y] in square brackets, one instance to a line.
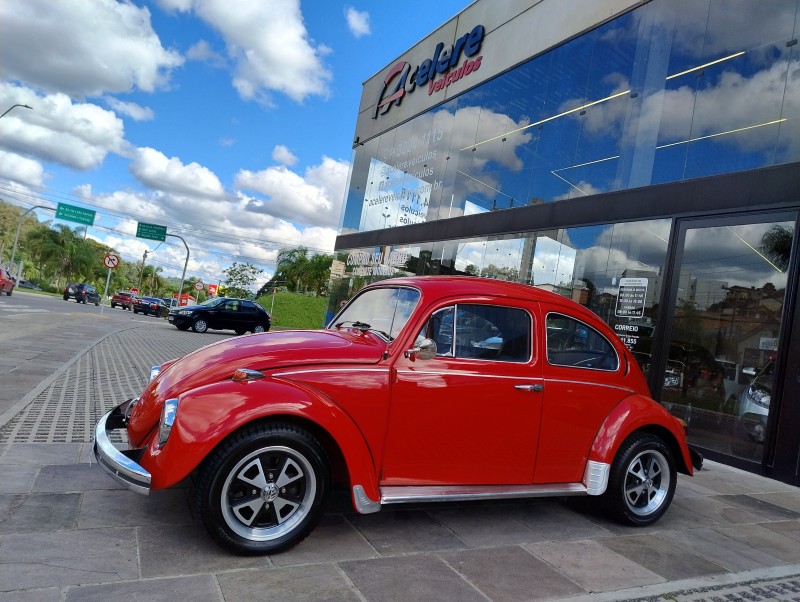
[141, 272]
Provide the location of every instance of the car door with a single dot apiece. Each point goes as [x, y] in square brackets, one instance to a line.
[470, 416]
[584, 379]
[245, 317]
[224, 314]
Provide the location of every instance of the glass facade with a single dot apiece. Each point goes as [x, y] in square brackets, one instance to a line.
[673, 90]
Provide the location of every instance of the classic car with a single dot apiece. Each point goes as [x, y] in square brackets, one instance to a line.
[401, 399]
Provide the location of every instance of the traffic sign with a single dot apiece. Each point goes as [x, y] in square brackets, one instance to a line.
[199, 286]
[75, 214]
[212, 290]
[111, 261]
[151, 231]
[134, 290]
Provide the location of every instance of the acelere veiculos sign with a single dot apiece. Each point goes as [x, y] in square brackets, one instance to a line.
[402, 79]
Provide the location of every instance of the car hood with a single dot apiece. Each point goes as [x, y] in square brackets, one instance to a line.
[265, 352]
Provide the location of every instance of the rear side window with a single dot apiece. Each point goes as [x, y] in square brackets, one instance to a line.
[573, 343]
[487, 332]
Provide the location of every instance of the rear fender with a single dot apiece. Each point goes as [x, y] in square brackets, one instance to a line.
[208, 414]
[640, 413]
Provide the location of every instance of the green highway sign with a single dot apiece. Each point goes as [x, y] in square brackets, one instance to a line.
[151, 231]
[75, 214]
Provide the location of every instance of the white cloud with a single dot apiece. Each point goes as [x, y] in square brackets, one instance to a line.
[315, 199]
[131, 109]
[21, 169]
[76, 135]
[202, 52]
[153, 169]
[132, 56]
[357, 21]
[283, 155]
[269, 45]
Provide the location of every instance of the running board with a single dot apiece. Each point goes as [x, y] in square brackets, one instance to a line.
[437, 493]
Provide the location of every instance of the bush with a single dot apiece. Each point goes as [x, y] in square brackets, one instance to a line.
[295, 310]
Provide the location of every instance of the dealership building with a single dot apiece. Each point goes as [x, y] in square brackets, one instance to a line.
[639, 157]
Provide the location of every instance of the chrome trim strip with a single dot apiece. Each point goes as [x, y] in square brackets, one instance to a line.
[525, 377]
[596, 477]
[119, 466]
[593, 383]
[363, 503]
[450, 493]
[337, 370]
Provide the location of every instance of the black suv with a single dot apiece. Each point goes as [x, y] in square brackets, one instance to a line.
[82, 293]
[239, 315]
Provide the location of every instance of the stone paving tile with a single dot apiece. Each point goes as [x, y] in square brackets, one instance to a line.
[724, 551]
[416, 577]
[52, 594]
[185, 550]
[42, 513]
[404, 531]
[17, 478]
[785, 499]
[123, 508]
[39, 560]
[511, 573]
[484, 525]
[662, 557]
[787, 528]
[202, 587]
[73, 477]
[334, 539]
[555, 521]
[716, 510]
[593, 565]
[766, 540]
[41, 454]
[759, 506]
[312, 583]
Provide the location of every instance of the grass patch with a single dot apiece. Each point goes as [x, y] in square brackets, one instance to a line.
[294, 310]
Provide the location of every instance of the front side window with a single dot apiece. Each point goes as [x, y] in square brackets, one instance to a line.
[485, 332]
[573, 343]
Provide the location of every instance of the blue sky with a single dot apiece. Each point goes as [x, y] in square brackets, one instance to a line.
[228, 121]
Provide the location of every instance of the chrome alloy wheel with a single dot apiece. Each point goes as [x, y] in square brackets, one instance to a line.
[268, 493]
[647, 482]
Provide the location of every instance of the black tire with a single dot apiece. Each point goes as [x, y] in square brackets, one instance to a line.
[240, 331]
[66, 297]
[182, 327]
[9, 291]
[97, 303]
[135, 312]
[258, 328]
[642, 481]
[240, 494]
[113, 305]
[200, 325]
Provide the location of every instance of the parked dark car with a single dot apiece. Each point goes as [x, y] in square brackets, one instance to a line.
[82, 293]
[29, 285]
[239, 315]
[6, 283]
[147, 305]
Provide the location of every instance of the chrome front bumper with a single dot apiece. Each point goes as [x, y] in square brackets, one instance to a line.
[122, 466]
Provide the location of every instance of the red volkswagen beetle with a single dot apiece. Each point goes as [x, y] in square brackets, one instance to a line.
[420, 389]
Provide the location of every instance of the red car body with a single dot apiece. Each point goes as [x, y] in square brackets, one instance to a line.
[6, 283]
[396, 422]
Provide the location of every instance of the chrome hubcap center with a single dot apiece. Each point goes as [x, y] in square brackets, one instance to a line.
[269, 493]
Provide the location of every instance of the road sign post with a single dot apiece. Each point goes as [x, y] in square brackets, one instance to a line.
[111, 261]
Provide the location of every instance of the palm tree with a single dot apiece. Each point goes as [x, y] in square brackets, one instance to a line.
[777, 245]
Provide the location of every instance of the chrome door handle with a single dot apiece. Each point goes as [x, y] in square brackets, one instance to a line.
[534, 388]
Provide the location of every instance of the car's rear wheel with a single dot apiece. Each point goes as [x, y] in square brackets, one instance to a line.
[66, 298]
[113, 305]
[642, 480]
[259, 328]
[264, 489]
[200, 325]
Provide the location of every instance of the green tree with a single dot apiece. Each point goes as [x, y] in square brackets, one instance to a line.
[292, 264]
[239, 277]
[777, 245]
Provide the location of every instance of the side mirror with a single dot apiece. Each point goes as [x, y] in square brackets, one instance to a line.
[425, 349]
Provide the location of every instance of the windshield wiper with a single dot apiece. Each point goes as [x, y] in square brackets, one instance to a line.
[363, 326]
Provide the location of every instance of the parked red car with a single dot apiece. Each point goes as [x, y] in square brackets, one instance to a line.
[124, 299]
[420, 389]
[6, 283]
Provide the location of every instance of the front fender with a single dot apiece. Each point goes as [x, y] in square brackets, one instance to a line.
[634, 413]
[208, 414]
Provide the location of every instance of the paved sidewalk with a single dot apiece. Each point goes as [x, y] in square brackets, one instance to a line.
[68, 532]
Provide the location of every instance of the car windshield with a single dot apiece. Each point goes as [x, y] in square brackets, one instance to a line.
[212, 302]
[384, 310]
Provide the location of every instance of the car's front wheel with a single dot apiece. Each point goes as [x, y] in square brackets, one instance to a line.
[642, 480]
[200, 325]
[264, 489]
[259, 328]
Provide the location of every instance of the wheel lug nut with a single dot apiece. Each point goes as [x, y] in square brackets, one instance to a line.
[283, 490]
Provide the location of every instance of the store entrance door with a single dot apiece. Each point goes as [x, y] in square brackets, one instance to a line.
[729, 324]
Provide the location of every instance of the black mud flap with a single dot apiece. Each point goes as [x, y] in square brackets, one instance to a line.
[697, 458]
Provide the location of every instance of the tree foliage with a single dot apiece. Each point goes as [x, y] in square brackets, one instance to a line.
[301, 272]
[239, 278]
